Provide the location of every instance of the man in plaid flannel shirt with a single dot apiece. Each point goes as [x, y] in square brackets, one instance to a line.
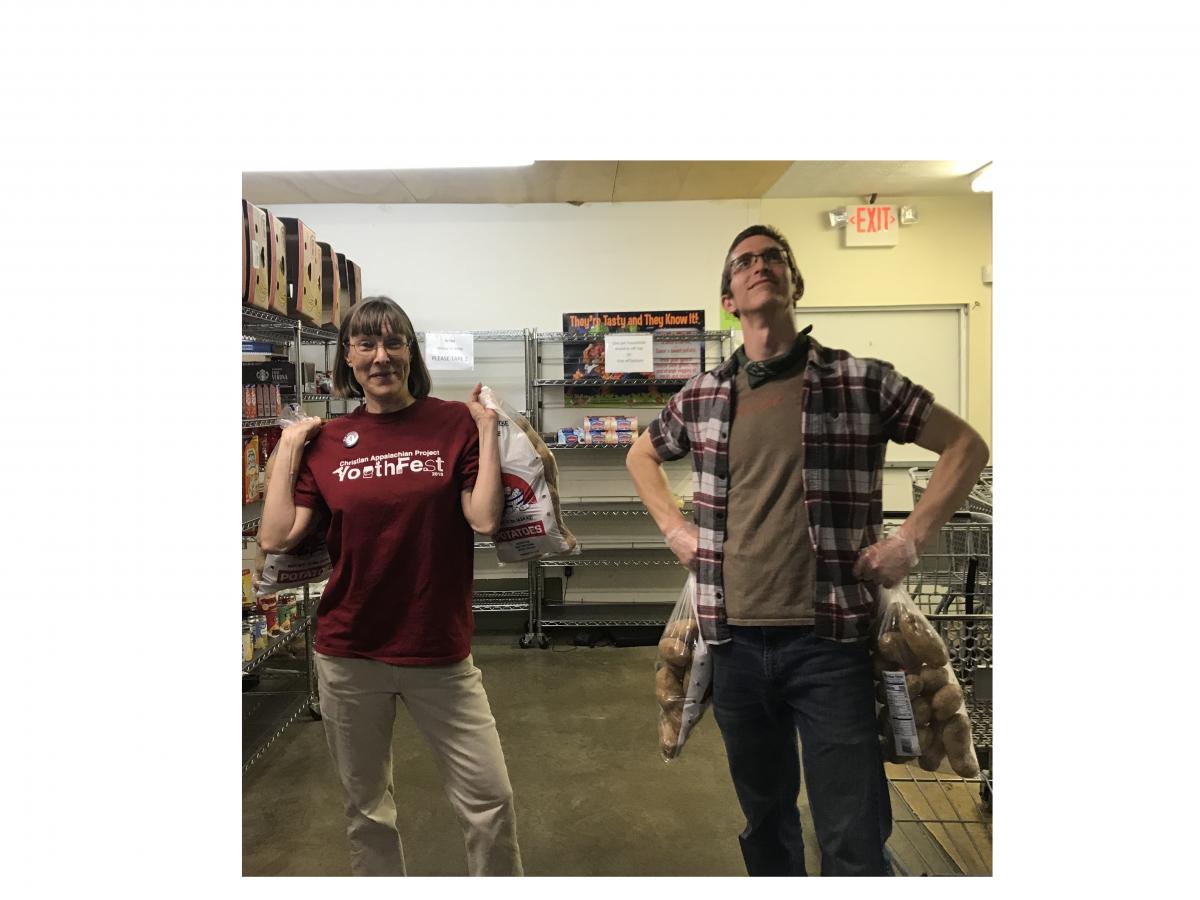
[787, 442]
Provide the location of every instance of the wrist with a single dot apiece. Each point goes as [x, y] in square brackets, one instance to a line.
[912, 536]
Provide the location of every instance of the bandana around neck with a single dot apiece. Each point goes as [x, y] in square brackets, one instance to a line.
[763, 370]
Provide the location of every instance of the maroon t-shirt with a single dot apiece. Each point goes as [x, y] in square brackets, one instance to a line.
[402, 551]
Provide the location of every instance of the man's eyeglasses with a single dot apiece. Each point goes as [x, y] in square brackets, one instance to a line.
[393, 345]
[772, 256]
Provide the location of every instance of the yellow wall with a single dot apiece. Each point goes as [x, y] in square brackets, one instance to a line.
[938, 260]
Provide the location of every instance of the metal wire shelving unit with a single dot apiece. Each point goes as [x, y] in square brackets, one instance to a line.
[277, 689]
[626, 541]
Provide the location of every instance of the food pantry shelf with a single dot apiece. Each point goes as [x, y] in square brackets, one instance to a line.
[258, 322]
[610, 382]
[608, 506]
[616, 615]
[275, 644]
[501, 601]
[575, 562]
[551, 445]
[509, 335]
[566, 337]
[268, 715]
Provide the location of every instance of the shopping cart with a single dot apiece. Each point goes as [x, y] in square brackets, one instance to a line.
[940, 820]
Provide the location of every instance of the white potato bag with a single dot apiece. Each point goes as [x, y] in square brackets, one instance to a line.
[532, 525]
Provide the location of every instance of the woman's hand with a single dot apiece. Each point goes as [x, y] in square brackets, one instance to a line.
[480, 413]
[304, 430]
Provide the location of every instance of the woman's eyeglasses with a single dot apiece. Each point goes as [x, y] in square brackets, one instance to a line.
[366, 346]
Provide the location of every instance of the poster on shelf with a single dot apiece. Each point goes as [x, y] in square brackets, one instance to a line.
[585, 354]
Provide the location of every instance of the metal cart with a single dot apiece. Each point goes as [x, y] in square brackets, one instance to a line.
[942, 824]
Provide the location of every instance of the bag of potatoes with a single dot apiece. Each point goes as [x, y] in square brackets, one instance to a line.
[532, 524]
[922, 712]
[682, 675]
[305, 563]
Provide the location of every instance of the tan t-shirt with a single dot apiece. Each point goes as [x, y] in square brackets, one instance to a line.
[770, 566]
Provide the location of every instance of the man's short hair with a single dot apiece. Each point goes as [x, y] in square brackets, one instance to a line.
[773, 234]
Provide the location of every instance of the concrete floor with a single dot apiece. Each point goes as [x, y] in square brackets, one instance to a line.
[593, 797]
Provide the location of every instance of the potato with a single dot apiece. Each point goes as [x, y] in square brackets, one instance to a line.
[683, 630]
[925, 643]
[668, 736]
[668, 688]
[931, 759]
[888, 647]
[880, 693]
[932, 680]
[956, 734]
[965, 765]
[674, 716]
[913, 683]
[925, 737]
[922, 711]
[674, 651]
[946, 702]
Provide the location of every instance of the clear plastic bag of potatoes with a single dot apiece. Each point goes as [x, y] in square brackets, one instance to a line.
[682, 675]
[532, 525]
[922, 713]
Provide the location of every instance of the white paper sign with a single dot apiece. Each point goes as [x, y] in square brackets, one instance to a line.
[449, 350]
[872, 226]
[628, 353]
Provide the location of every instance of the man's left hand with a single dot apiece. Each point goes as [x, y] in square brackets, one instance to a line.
[886, 562]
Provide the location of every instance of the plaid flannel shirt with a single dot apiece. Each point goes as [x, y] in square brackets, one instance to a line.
[852, 408]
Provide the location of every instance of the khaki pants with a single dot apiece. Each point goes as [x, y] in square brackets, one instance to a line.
[449, 706]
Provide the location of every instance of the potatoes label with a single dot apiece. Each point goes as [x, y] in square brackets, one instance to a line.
[900, 711]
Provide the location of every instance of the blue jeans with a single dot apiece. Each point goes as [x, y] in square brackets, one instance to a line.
[769, 683]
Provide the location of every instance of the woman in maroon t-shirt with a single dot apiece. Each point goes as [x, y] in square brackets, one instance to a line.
[404, 482]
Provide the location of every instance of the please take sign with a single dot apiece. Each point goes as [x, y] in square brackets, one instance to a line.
[872, 226]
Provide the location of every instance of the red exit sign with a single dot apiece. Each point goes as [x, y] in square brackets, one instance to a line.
[872, 226]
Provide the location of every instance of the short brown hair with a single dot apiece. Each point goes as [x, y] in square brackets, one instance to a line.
[373, 316]
[773, 234]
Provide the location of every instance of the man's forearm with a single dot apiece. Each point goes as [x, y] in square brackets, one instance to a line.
[650, 481]
[953, 476]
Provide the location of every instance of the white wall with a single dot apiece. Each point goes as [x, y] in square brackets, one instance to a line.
[491, 266]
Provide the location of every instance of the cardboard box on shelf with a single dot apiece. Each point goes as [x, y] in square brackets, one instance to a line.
[274, 371]
[255, 288]
[331, 313]
[277, 294]
[354, 280]
[344, 292]
[303, 272]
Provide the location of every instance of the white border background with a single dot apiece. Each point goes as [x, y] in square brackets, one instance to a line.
[126, 128]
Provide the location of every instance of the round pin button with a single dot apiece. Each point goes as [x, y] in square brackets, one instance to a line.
[351, 439]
